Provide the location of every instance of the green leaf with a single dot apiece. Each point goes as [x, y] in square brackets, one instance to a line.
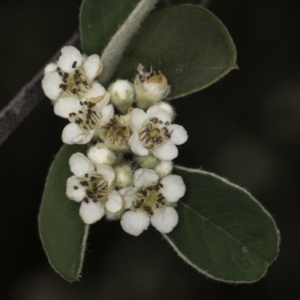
[223, 231]
[61, 230]
[107, 27]
[187, 43]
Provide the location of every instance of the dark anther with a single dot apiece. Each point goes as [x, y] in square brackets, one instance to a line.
[86, 175]
[58, 68]
[80, 111]
[74, 64]
[80, 103]
[65, 80]
[86, 200]
[93, 178]
[72, 114]
[85, 82]
[75, 187]
[66, 75]
[84, 183]
[77, 82]
[60, 73]
[63, 86]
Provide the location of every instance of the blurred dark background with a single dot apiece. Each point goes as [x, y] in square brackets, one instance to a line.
[246, 128]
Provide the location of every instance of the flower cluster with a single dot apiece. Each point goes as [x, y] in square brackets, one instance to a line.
[131, 141]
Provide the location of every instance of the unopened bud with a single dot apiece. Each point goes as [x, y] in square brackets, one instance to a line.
[123, 176]
[147, 162]
[164, 168]
[122, 95]
[100, 154]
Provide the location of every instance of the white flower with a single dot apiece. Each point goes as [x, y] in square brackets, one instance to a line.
[152, 131]
[115, 132]
[93, 186]
[150, 87]
[85, 117]
[151, 200]
[71, 75]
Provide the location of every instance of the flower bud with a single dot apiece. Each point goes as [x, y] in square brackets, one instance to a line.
[150, 87]
[147, 162]
[123, 176]
[122, 95]
[164, 168]
[100, 154]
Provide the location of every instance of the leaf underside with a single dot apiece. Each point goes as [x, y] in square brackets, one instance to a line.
[62, 231]
[223, 231]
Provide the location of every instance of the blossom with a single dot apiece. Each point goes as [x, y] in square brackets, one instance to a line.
[76, 97]
[72, 75]
[116, 131]
[153, 132]
[93, 186]
[149, 87]
[151, 200]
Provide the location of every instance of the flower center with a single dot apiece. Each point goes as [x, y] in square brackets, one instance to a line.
[148, 199]
[74, 83]
[116, 133]
[96, 188]
[154, 133]
[87, 117]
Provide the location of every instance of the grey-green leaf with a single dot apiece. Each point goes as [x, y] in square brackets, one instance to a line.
[187, 43]
[107, 27]
[62, 232]
[223, 231]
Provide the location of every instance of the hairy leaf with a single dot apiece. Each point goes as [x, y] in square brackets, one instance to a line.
[187, 43]
[61, 230]
[223, 231]
[107, 27]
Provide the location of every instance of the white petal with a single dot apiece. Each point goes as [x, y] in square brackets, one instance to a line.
[128, 194]
[156, 112]
[178, 135]
[50, 85]
[84, 138]
[135, 222]
[144, 177]
[91, 212]
[138, 118]
[64, 106]
[164, 219]
[107, 113]
[107, 172]
[80, 165]
[73, 134]
[115, 202]
[96, 90]
[167, 151]
[75, 190]
[92, 66]
[164, 168]
[167, 107]
[69, 55]
[50, 68]
[137, 146]
[173, 187]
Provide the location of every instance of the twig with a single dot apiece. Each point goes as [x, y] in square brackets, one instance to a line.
[29, 96]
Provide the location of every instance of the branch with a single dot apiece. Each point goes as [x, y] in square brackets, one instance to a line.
[25, 101]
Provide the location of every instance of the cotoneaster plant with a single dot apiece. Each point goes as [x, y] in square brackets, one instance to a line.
[121, 140]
